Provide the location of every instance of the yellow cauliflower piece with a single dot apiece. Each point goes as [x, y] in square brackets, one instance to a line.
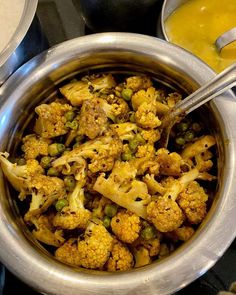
[34, 146]
[122, 188]
[68, 252]
[95, 246]
[19, 176]
[79, 91]
[146, 117]
[170, 163]
[51, 119]
[152, 245]
[146, 150]
[165, 214]
[44, 190]
[126, 226]
[173, 98]
[45, 232]
[138, 82]
[74, 215]
[92, 119]
[183, 233]
[149, 96]
[101, 152]
[201, 145]
[193, 202]
[151, 135]
[121, 258]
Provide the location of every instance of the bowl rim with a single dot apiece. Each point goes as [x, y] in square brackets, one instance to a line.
[38, 270]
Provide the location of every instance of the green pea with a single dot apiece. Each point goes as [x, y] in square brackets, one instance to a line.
[21, 162]
[69, 115]
[106, 221]
[45, 162]
[196, 127]
[72, 125]
[69, 182]
[110, 210]
[183, 126]
[126, 156]
[60, 204]
[136, 141]
[132, 117]
[180, 140]
[56, 149]
[127, 93]
[52, 172]
[189, 136]
[148, 233]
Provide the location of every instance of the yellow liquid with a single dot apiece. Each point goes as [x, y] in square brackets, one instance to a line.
[198, 23]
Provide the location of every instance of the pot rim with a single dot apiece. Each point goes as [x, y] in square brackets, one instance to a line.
[173, 273]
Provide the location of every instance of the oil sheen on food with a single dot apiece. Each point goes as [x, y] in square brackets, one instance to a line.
[196, 25]
[10, 15]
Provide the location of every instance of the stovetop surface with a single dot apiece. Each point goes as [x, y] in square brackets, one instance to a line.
[60, 21]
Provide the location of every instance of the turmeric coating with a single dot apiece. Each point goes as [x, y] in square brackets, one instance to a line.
[94, 184]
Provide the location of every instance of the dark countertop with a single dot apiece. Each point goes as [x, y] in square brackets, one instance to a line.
[60, 21]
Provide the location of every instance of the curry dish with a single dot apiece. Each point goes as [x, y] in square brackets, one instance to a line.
[97, 189]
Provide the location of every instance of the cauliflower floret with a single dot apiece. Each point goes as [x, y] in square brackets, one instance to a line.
[95, 246]
[141, 256]
[102, 152]
[173, 98]
[165, 214]
[121, 258]
[146, 117]
[151, 135]
[170, 163]
[74, 215]
[125, 131]
[45, 232]
[51, 119]
[34, 146]
[115, 108]
[145, 160]
[122, 188]
[198, 147]
[183, 233]
[203, 161]
[68, 252]
[92, 119]
[78, 91]
[98, 205]
[126, 226]
[154, 186]
[146, 150]
[193, 202]
[149, 96]
[19, 176]
[152, 245]
[138, 82]
[44, 190]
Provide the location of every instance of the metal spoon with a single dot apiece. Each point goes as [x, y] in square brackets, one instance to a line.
[219, 84]
[225, 39]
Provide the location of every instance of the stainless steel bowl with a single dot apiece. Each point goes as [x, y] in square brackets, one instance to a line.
[168, 8]
[15, 52]
[124, 52]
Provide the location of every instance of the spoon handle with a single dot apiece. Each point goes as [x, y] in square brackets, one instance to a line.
[219, 84]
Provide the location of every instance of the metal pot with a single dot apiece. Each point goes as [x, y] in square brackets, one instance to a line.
[37, 80]
[22, 47]
[167, 8]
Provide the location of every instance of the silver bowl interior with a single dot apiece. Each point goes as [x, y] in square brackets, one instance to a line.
[38, 80]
